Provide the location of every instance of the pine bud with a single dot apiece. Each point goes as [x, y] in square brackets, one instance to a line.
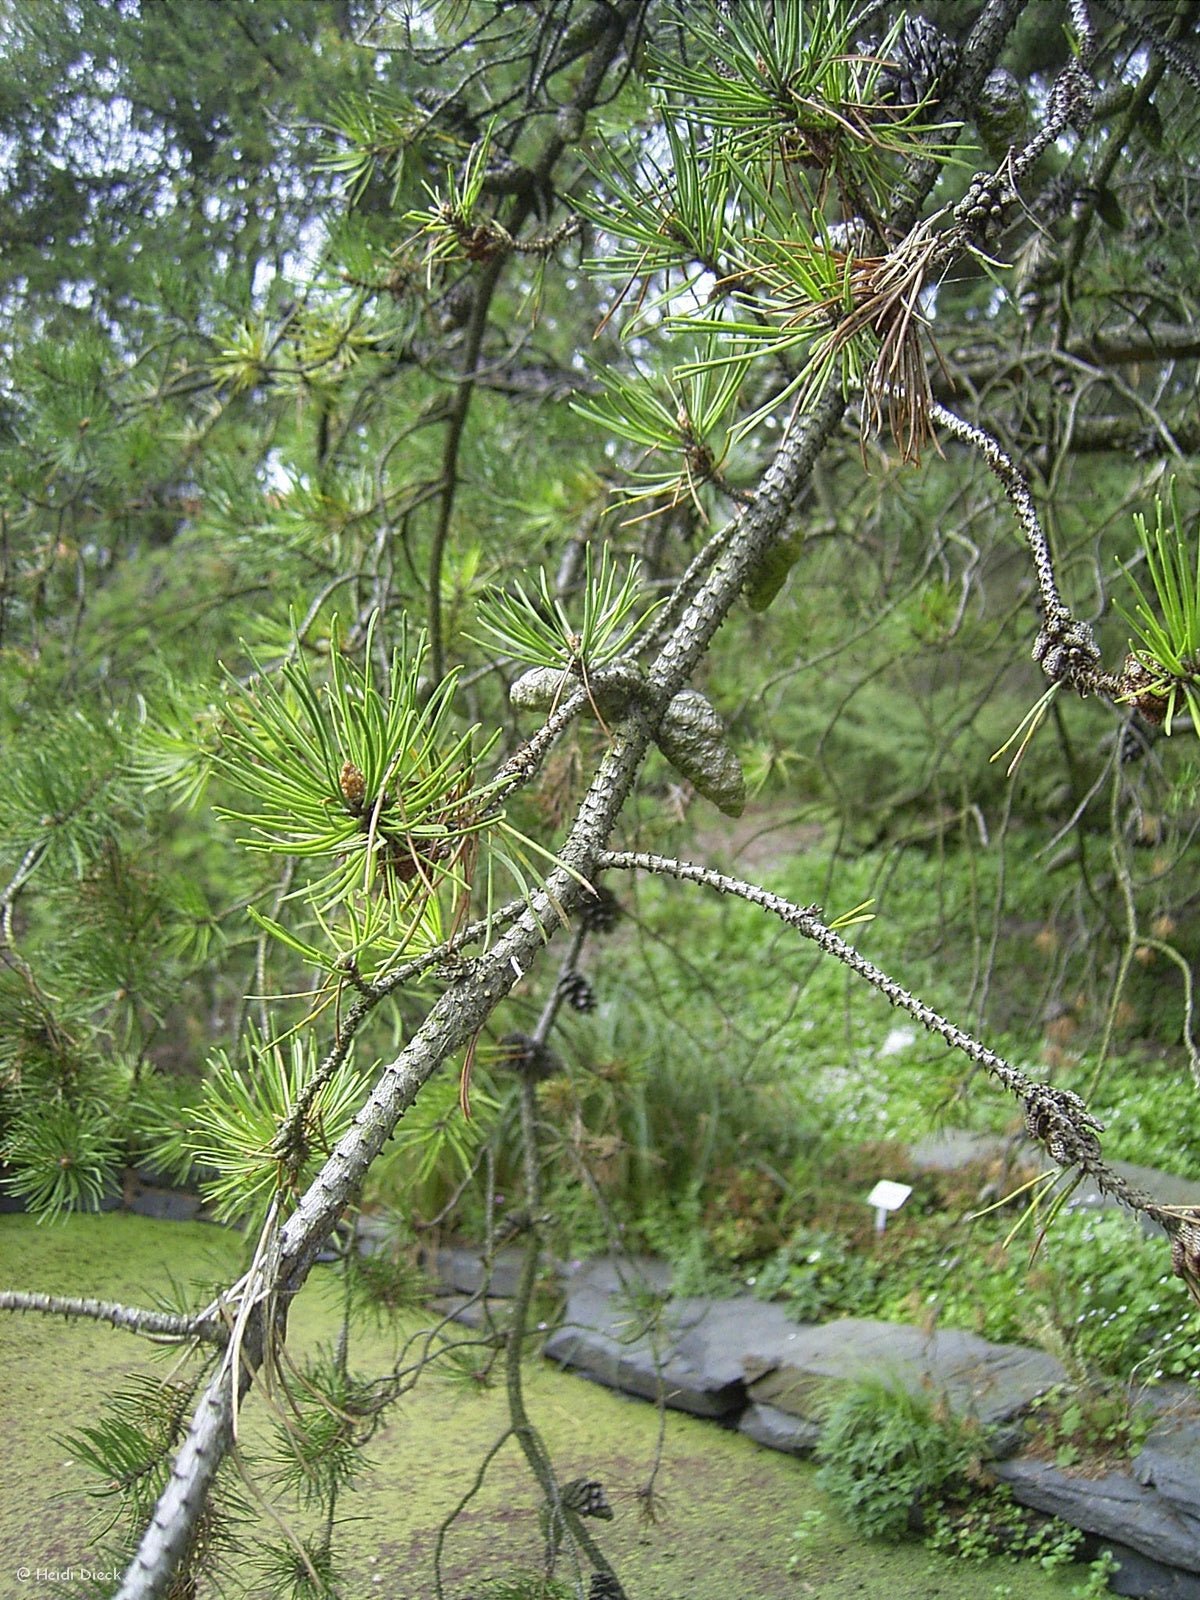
[352, 784]
[604, 1586]
[586, 1497]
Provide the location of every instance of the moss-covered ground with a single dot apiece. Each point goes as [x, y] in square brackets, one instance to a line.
[730, 1509]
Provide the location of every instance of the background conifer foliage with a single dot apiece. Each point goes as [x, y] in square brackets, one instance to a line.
[458, 457]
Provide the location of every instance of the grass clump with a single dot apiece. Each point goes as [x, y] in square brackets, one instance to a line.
[886, 1451]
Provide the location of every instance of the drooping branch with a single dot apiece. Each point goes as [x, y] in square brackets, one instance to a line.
[1056, 1118]
[369, 996]
[463, 1008]
[1066, 647]
[603, 55]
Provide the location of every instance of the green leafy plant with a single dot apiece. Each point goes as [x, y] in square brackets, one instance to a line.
[818, 1275]
[130, 1448]
[379, 783]
[670, 216]
[1097, 1584]
[1089, 1421]
[1117, 1301]
[450, 224]
[810, 1526]
[63, 1158]
[681, 418]
[791, 85]
[317, 1444]
[988, 1522]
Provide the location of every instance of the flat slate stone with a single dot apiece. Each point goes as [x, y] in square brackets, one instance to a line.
[461, 1268]
[1170, 1461]
[169, 1205]
[1153, 1505]
[473, 1311]
[989, 1381]
[722, 1358]
[1141, 1575]
[692, 1351]
[954, 1148]
[778, 1430]
[373, 1234]
[621, 1275]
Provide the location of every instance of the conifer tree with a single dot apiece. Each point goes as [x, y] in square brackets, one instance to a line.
[443, 443]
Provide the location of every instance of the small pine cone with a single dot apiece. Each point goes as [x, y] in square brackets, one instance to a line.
[982, 203]
[577, 991]
[1057, 199]
[352, 784]
[601, 912]
[1037, 1123]
[1185, 1256]
[919, 59]
[1136, 739]
[1001, 112]
[586, 1497]
[512, 1226]
[524, 1054]
[454, 308]
[604, 1586]
[1138, 684]
[1144, 829]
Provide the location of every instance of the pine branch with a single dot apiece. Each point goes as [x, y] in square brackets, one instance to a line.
[163, 1325]
[1056, 1118]
[1065, 647]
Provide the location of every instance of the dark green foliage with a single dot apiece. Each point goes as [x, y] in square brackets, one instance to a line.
[304, 1570]
[532, 1586]
[819, 1275]
[128, 1455]
[63, 1155]
[1100, 1291]
[131, 1448]
[886, 1452]
[986, 1522]
[1088, 1423]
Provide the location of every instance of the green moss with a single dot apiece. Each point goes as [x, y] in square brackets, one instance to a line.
[730, 1510]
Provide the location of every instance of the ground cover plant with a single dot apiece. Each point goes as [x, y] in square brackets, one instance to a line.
[456, 460]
